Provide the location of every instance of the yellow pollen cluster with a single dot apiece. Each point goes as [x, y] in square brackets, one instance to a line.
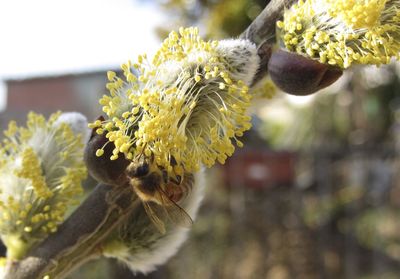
[183, 107]
[31, 169]
[41, 169]
[355, 13]
[343, 32]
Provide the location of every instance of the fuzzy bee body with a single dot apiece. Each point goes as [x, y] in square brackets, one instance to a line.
[146, 187]
[160, 194]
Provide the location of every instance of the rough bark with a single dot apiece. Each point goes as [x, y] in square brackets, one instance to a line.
[262, 32]
[77, 239]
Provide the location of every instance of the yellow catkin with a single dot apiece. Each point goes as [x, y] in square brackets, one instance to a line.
[41, 169]
[343, 32]
[184, 106]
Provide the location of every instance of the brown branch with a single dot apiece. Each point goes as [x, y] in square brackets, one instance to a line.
[262, 32]
[78, 238]
[263, 27]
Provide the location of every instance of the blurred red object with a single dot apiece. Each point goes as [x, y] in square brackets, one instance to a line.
[259, 169]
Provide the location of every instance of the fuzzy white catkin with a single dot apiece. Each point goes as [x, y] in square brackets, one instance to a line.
[242, 58]
[204, 118]
[78, 123]
[153, 249]
[239, 57]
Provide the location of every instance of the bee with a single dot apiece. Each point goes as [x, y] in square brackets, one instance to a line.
[159, 193]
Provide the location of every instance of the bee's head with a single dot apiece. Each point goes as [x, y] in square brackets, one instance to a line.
[138, 169]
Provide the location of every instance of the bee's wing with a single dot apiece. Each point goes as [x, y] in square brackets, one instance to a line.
[174, 212]
[154, 218]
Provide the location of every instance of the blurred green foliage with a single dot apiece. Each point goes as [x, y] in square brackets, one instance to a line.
[219, 18]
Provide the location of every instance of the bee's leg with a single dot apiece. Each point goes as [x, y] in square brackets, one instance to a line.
[174, 192]
[165, 176]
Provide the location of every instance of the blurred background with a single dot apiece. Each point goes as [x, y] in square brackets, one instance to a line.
[315, 192]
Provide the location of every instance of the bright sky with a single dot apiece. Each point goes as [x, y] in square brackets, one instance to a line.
[58, 36]
[44, 37]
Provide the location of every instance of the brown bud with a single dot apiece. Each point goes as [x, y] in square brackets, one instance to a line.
[298, 75]
[102, 168]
